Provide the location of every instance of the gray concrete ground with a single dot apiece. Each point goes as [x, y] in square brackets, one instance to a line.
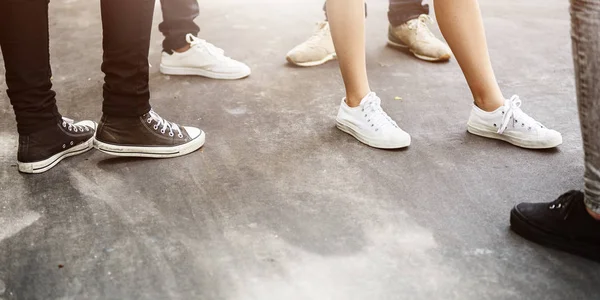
[281, 205]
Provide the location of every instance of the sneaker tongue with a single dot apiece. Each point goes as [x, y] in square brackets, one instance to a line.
[370, 97]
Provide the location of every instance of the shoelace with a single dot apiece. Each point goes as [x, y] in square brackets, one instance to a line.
[564, 203]
[69, 124]
[198, 43]
[420, 25]
[375, 114]
[166, 125]
[514, 115]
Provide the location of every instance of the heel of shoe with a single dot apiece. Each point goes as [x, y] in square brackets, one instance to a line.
[47, 164]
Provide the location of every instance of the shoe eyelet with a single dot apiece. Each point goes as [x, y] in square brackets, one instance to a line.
[522, 124]
[171, 134]
[64, 146]
[149, 121]
[495, 125]
[372, 125]
[559, 205]
[155, 127]
[162, 131]
[180, 136]
[552, 206]
[64, 124]
[71, 143]
[75, 129]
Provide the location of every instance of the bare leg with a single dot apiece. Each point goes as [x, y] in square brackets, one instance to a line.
[347, 21]
[462, 27]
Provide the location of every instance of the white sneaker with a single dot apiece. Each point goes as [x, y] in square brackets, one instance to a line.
[317, 50]
[369, 124]
[509, 123]
[203, 59]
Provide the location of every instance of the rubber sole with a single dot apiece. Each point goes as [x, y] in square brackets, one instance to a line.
[519, 224]
[201, 72]
[512, 140]
[151, 152]
[47, 164]
[329, 57]
[375, 144]
[419, 56]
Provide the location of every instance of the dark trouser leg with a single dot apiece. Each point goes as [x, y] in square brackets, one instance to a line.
[585, 33]
[402, 11]
[178, 21]
[127, 25]
[325, 9]
[24, 40]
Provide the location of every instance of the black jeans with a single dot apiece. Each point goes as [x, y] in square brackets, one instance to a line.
[400, 11]
[178, 21]
[24, 42]
[25, 46]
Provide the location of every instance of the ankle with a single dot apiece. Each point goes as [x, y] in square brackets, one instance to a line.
[354, 99]
[489, 104]
[593, 214]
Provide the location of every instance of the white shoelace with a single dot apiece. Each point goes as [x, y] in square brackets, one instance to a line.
[152, 116]
[375, 114]
[197, 43]
[420, 25]
[69, 124]
[515, 116]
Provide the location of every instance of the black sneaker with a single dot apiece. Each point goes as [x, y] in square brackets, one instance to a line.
[148, 135]
[564, 224]
[40, 151]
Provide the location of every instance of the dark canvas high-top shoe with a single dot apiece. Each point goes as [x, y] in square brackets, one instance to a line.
[42, 150]
[148, 135]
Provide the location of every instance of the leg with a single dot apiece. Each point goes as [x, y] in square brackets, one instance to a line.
[348, 32]
[360, 113]
[126, 43]
[178, 21]
[325, 10]
[128, 126]
[572, 222]
[460, 22]
[25, 48]
[44, 137]
[585, 26]
[492, 116]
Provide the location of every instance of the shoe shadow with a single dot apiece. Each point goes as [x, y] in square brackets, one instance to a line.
[342, 137]
[478, 141]
[109, 163]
